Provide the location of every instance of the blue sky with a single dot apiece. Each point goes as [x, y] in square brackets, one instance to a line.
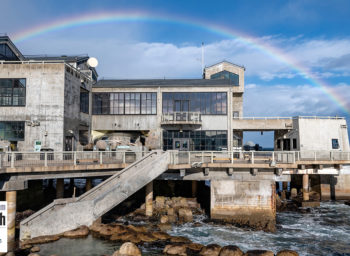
[314, 33]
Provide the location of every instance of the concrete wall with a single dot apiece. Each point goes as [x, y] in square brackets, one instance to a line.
[317, 134]
[335, 187]
[249, 203]
[44, 103]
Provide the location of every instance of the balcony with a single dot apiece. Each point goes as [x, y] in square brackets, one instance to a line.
[182, 119]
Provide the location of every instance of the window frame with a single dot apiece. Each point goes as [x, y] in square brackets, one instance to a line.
[12, 95]
[335, 146]
[17, 130]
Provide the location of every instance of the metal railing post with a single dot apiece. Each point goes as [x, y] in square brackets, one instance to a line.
[331, 155]
[101, 161]
[232, 157]
[315, 156]
[202, 157]
[252, 157]
[189, 157]
[0, 160]
[45, 159]
[75, 157]
[273, 156]
[212, 157]
[124, 157]
[298, 155]
[12, 160]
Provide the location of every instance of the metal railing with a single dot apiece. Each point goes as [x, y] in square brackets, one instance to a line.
[197, 158]
[187, 117]
[71, 158]
[288, 118]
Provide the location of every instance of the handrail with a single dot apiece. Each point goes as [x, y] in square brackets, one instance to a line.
[288, 118]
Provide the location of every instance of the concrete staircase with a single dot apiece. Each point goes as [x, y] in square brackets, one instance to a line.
[67, 214]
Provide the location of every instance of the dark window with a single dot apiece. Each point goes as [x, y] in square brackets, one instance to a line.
[12, 131]
[233, 78]
[12, 92]
[84, 102]
[335, 144]
[197, 140]
[207, 103]
[124, 103]
[295, 143]
[278, 144]
[6, 53]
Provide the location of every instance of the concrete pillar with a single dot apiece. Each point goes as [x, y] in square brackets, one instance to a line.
[11, 197]
[246, 203]
[88, 184]
[306, 187]
[149, 199]
[194, 188]
[59, 188]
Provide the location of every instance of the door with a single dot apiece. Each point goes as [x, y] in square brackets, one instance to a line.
[181, 144]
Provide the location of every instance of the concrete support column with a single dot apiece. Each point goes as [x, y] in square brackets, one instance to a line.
[149, 199]
[306, 187]
[194, 188]
[11, 197]
[88, 184]
[59, 188]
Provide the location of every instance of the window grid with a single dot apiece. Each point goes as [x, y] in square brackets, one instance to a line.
[199, 140]
[12, 92]
[125, 103]
[84, 102]
[12, 131]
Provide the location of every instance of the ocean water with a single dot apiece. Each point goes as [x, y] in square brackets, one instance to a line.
[321, 231]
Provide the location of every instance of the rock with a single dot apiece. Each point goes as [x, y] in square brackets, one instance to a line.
[185, 215]
[160, 202]
[170, 212]
[146, 237]
[35, 249]
[347, 203]
[180, 239]
[283, 195]
[293, 193]
[195, 247]
[164, 227]
[173, 249]
[128, 249]
[33, 254]
[287, 253]
[314, 196]
[259, 253]
[231, 250]
[161, 235]
[81, 231]
[41, 240]
[164, 219]
[210, 250]
[172, 218]
[137, 228]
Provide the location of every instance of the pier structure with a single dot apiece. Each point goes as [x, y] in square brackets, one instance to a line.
[58, 121]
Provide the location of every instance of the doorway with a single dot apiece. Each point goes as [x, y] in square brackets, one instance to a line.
[181, 144]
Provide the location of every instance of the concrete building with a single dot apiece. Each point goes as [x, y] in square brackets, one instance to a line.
[44, 100]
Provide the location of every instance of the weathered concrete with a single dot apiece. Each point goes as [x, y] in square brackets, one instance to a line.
[335, 187]
[67, 214]
[306, 187]
[149, 199]
[262, 124]
[245, 203]
[11, 199]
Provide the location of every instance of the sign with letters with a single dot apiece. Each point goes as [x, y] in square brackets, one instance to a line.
[3, 226]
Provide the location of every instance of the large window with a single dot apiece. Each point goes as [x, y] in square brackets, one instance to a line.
[207, 103]
[128, 103]
[12, 92]
[233, 78]
[84, 102]
[12, 131]
[197, 140]
[6, 53]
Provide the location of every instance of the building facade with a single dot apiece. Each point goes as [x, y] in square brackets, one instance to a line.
[44, 101]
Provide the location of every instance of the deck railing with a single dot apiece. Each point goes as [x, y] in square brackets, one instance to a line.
[287, 118]
[194, 158]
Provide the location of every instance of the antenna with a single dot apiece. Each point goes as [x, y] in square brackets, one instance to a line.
[202, 57]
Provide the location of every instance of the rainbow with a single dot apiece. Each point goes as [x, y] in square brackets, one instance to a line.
[125, 16]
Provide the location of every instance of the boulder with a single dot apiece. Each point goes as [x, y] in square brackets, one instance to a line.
[173, 249]
[137, 228]
[81, 231]
[146, 237]
[164, 219]
[170, 212]
[33, 254]
[41, 240]
[231, 250]
[160, 202]
[161, 235]
[195, 247]
[293, 193]
[180, 239]
[164, 227]
[259, 253]
[35, 249]
[185, 215]
[287, 253]
[210, 250]
[128, 249]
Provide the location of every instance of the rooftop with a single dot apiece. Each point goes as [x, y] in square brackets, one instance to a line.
[162, 83]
